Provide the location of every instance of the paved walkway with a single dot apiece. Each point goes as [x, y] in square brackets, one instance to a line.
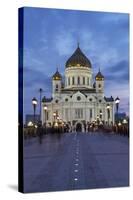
[76, 161]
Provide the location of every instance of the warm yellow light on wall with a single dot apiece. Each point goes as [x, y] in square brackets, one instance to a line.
[99, 79]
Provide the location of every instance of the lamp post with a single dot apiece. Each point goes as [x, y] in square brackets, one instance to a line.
[62, 126]
[101, 119]
[119, 124]
[34, 103]
[98, 119]
[124, 122]
[58, 118]
[101, 123]
[45, 109]
[54, 115]
[117, 101]
[40, 91]
[108, 111]
[30, 124]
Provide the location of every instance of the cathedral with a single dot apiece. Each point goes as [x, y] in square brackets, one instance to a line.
[78, 101]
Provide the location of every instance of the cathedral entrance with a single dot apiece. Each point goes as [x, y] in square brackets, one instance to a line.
[79, 127]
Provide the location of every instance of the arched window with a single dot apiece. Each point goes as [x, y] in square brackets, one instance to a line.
[68, 80]
[90, 99]
[65, 82]
[99, 85]
[66, 99]
[78, 98]
[88, 81]
[100, 113]
[78, 80]
[73, 81]
[90, 113]
[78, 113]
[56, 87]
[56, 101]
[83, 80]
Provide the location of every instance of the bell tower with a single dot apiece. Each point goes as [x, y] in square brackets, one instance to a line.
[56, 84]
[99, 78]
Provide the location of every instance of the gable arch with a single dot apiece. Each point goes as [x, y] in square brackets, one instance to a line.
[78, 96]
[91, 98]
[66, 98]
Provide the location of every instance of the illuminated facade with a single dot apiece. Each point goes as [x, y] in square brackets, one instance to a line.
[78, 101]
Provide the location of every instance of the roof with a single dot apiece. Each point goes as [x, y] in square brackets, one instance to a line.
[57, 75]
[109, 99]
[44, 99]
[82, 90]
[78, 58]
[99, 76]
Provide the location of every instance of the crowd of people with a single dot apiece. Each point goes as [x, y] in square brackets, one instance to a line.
[39, 130]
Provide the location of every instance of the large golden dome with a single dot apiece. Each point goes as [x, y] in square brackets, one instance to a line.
[78, 59]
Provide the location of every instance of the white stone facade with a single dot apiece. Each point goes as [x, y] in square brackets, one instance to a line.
[78, 100]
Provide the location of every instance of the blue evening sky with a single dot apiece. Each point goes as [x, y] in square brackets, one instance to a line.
[51, 36]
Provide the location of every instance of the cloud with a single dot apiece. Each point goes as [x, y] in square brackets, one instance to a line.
[122, 65]
[51, 37]
[121, 90]
[34, 78]
[64, 43]
[118, 73]
[30, 57]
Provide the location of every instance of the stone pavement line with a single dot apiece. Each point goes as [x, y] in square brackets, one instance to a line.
[88, 177]
[77, 168]
[80, 184]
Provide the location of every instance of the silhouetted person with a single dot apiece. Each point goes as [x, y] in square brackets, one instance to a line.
[40, 132]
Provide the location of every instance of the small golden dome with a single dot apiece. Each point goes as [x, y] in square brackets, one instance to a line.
[57, 76]
[99, 76]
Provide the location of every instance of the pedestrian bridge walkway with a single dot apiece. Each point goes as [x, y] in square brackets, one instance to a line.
[76, 161]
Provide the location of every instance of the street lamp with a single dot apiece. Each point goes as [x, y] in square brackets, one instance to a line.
[40, 91]
[34, 103]
[125, 126]
[101, 123]
[54, 115]
[45, 109]
[108, 111]
[58, 118]
[56, 124]
[119, 124]
[36, 126]
[117, 101]
[30, 123]
[124, 121]
[98, 119]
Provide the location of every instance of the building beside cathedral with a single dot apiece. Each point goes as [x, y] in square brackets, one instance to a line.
[78, 101]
